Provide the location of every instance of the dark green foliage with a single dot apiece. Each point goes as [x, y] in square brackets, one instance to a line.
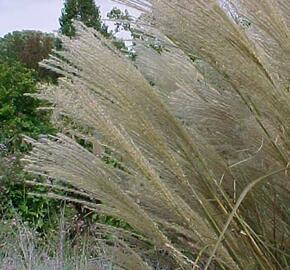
[18, 112]
[28, 48]
[18, 116]
[83, 10]
[88, 13]
[39, 213]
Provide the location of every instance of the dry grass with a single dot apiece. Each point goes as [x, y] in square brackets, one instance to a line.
[23, 249]
[205, 151]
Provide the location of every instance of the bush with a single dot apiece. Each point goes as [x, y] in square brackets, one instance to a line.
[19, 116]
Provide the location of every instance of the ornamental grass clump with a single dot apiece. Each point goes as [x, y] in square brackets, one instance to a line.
[200, 129]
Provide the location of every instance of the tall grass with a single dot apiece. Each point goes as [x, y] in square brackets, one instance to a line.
[201, 131]
[23, 249]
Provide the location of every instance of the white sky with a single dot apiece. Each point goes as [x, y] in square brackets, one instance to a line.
[38, 14]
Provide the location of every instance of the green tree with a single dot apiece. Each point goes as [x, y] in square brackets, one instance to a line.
[85, 11]
[28, 48]
[18, 112]
[18, 116]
